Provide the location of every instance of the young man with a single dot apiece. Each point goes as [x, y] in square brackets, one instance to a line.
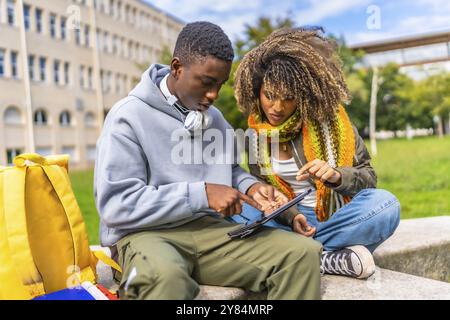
[166, 218]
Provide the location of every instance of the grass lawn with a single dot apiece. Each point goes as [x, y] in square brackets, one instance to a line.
[82, 184]
[417, 171]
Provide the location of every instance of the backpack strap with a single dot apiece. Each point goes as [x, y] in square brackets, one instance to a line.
[11, 286]
[16, 230]
[60, 181]
[103, 257]
[56, 170]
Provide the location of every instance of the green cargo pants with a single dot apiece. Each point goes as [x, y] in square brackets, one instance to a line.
[171, 263]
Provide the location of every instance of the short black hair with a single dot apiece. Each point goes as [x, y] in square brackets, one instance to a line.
[202, 39]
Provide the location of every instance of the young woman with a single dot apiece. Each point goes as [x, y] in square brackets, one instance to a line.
[292, 84]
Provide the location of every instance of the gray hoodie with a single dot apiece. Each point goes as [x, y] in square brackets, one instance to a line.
[137, 185]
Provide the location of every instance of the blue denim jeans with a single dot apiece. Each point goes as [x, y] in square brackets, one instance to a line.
[369, 219]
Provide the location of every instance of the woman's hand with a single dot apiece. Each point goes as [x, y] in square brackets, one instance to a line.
[268, 197]
[300, 225]
[319, 169]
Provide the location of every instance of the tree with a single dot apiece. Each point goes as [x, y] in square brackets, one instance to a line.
[254, 35]
[358, 83]
[430, 98]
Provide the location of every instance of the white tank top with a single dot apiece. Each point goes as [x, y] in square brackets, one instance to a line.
[287, 170]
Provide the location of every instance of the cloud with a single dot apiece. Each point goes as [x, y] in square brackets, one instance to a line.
[320, 10]
[232, 15]
[406, 27]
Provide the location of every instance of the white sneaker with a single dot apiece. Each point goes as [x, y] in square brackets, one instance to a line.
[354, 261]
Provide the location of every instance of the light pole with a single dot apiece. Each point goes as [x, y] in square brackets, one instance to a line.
[373, 111]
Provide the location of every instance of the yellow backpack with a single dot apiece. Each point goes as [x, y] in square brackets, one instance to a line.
[43, 240]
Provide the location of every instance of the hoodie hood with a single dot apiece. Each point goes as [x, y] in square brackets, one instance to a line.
[148, 91]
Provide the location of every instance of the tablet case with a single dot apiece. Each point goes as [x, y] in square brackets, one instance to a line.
[247, 230]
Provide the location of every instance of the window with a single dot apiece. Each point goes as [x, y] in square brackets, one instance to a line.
[52, 25]
[89, 119]
[86, 36]
[11, 154]
[14, 72]
[133, 17]
[64, 119]
[44, 151]
[12, 116]
[42, 65]
[102, 79]
[77, 36]
[138, 52]
[114, 44]
[39, 20]
[70, 151]
[118, 87]
[127, 13]
[125, 82]
[11, 14]
[66, 73]
[40, 117]
[101, 6]
[111, 7]
[81, 74]
[97, 38]
[63, 28]
[108, 81]
[56, 65]
[90, 78]
[2, 62]
[105, 42]
[119, 9]
[31, 66]
[90, 153]
[131, 50]
[26, 16]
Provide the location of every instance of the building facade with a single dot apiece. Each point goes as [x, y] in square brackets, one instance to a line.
[64, 63]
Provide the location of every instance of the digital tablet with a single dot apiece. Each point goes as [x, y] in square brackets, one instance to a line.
[245, 231]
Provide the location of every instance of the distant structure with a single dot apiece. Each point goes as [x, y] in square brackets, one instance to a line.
[64, 63]
[419, 56]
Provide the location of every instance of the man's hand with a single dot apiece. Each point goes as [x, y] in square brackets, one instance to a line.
[300, 225]
[319, 169]
[226, 200]
[267, 196]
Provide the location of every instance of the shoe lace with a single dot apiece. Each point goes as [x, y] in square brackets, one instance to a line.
[335, 263]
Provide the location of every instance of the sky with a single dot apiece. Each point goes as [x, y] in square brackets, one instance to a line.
[358, 21]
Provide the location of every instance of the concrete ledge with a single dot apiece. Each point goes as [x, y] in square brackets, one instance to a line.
[383, 285]
[420, 247]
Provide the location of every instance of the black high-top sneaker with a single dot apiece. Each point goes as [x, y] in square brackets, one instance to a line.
[354, 261]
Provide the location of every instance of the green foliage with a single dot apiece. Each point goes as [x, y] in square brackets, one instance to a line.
[166, 56]
[392, 103]
[227, 103]
[254, 35]
[431, 96]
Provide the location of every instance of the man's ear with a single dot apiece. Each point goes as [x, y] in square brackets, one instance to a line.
[176, 67]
